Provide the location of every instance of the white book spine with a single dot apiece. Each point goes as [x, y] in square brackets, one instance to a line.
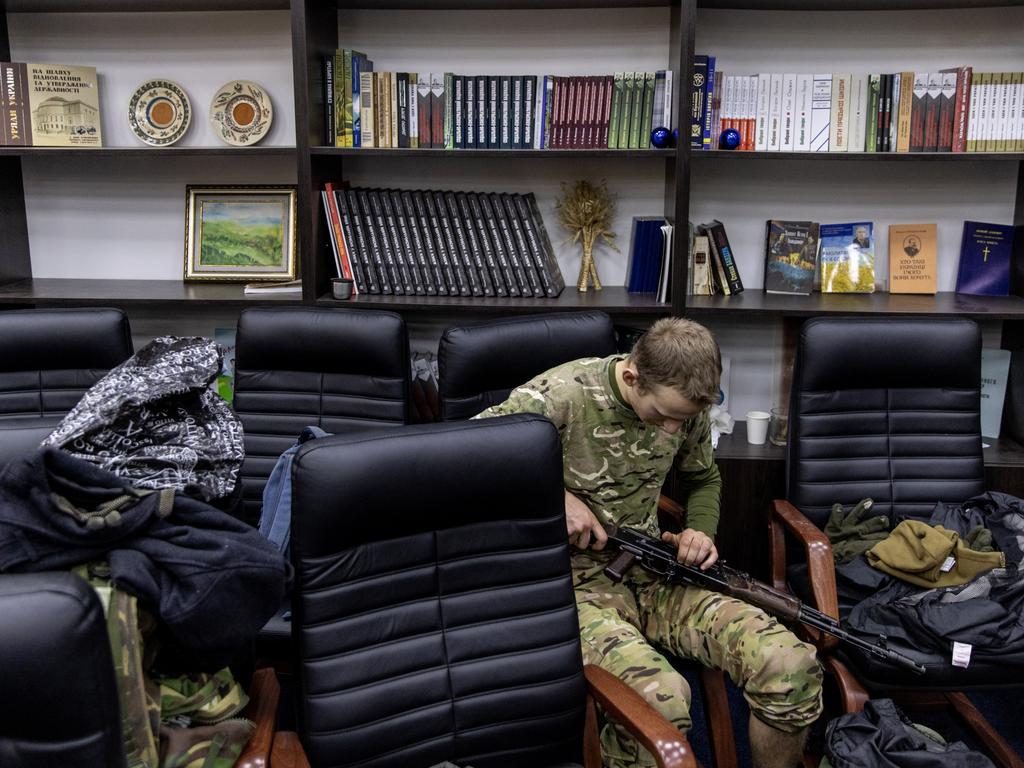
[972, 111]
[367, 130]
[761, 118]
[788, 118]
[729, 87]
[775, 114]
[414, 116]
[750, 112]
[858, 112]
[840, 128]
[666, 110]
[821, 112]
[803, 113]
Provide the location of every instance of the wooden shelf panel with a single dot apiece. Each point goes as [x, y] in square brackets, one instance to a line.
[859, 5]
[493, 5]
[491, 153]
[613, 300]
[885, 157]
[49, 292]
[138, 152]
[124, 6]
[757, 302]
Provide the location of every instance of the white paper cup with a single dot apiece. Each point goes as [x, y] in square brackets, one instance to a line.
[757, 427]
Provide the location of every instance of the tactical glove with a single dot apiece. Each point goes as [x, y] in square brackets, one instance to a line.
[851, 535]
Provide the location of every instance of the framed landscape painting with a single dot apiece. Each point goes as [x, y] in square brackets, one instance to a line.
[240, 233]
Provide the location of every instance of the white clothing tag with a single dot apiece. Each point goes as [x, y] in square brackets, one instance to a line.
[962, 654]
[947, 564]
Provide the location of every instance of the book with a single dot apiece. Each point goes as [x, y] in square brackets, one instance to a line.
[985, 251]
[327, 91]
[847, 257]
[285, 286]
[995, 372]
[699, 271]
[722, 251]
[912, 258]
[821, 111]
[791, 250]
[50, 105]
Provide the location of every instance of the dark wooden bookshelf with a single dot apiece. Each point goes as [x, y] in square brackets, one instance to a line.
[856, 157]
[147, 152]
[492, 153]
[757, 302]
[134, 6]
[56, 292]
[614, 300]
[854, 5]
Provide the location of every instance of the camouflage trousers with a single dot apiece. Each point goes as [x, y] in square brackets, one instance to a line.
[620, 625]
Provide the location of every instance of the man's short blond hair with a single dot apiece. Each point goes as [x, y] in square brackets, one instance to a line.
[681, 354]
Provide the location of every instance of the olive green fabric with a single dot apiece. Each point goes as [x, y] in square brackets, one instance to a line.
[851, 534]
[915, 552]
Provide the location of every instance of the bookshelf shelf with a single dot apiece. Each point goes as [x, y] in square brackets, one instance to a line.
[613, 300]
[134, 6]
[492, 153]
[55, 292]
[147, 152]
[860, 5]
[856, 157]
[756, 302]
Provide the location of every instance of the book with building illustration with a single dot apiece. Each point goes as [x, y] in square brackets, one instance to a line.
[49, 105]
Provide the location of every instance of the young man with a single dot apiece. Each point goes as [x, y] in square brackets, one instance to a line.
[625, 421]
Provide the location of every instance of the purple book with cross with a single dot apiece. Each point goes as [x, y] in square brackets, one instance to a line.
[985, 252]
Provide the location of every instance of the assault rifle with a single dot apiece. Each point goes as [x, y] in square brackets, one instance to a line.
[660, 558]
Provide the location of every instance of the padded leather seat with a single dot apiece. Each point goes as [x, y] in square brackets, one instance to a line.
[48, 359]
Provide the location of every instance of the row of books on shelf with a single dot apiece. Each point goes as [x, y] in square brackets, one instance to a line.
[950, 110]
[804, 256]
[649, 268]
[410, 110]
[441, 243]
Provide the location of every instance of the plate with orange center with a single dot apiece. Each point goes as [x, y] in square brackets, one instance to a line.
[159, 112]
[241, 113]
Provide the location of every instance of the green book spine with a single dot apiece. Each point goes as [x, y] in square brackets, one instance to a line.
[872, 114]
[449, 110]
[346, 112]
[613, 122]
[626, 112]
[636, 113]
[339, 99]
[648, 113]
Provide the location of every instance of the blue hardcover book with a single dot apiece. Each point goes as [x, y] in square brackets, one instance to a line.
[847, 258]
[710, 142]
[791, 255]
[985, 259]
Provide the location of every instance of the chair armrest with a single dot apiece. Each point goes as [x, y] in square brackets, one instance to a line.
[671, 508]
[288, 751]
[820, 564]
[264, 693]
[647, 725]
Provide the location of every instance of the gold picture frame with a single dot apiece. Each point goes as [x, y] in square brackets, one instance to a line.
[240, 233]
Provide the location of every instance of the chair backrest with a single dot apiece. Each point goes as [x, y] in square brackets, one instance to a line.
[887, 409]
[59, 703]
[50, 357]
[433, 609]
[338, 369]
[479, 365]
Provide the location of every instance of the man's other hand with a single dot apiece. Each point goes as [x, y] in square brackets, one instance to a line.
[693, 548]
[583, 525]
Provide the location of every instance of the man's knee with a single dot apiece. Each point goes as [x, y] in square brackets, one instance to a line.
[784, 689]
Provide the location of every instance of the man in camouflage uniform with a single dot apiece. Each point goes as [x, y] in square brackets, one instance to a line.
[624, 421]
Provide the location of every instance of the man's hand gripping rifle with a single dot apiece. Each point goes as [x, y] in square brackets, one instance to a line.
[660, 558]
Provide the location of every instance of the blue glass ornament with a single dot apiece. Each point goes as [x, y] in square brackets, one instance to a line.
[730, 139]
[675, 136]
[661, 138]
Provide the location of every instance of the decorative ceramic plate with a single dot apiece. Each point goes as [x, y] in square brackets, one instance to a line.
[241, 113]
[159, 112]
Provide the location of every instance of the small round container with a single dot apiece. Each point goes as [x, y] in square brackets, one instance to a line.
[341, 288]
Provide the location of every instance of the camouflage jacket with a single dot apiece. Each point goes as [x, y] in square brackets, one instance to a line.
[613, 462]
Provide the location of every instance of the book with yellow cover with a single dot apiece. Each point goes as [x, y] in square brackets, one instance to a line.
[50, 105]
[912, 258]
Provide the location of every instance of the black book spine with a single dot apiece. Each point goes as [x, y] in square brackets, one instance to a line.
[479, 224]
[442, 238]
[353, 244]
[522, 246]
[516, 139]
[395, 243]
[510, 246]
[462, 261]
[370, 233]
[493, 112]
[410, 221]
[500, 250]
[523, 215]
[469, 110]
[465, 222]
[459, 113]
[505, 137]
[536, 221]
[529, 104]
[328, 91]
[426, 235]
[481, 111]
[402, 102]
[410, 265]
[384, 243]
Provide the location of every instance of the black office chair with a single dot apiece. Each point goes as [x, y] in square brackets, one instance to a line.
[338, 369]
[478, 367]
[887, 409]
[48, 359]
[434, 616]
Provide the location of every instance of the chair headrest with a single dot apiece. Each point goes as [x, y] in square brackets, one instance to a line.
[63, 339]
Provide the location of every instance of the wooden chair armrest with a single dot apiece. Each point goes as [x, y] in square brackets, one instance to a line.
[852, 695]
[820, 564]
[288, 751]
[647, 725]
[264, 693]
[671, 508]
